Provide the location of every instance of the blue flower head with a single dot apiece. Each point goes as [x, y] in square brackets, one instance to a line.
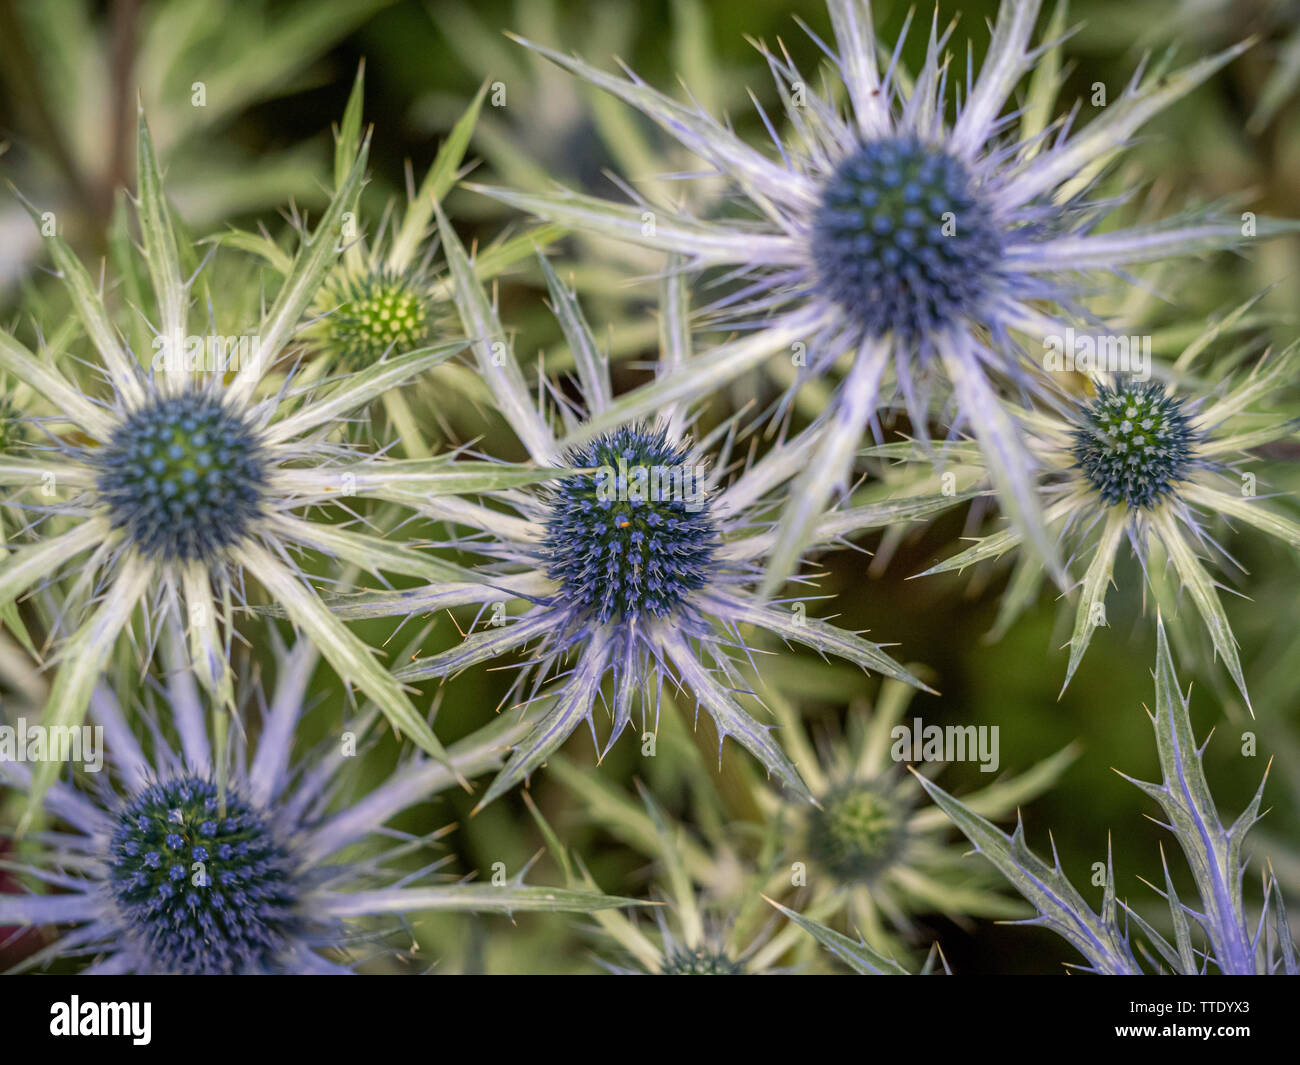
[634, 563]
[1136, 443]
[183, 476]
[907, 243]
[202, 882]
[163, 870]
[903, 240]
[635, 536]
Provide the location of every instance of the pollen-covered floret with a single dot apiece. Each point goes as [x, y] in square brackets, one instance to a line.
[183, 476]
[202, 883]
[635, 536]
[858, 831]
[376, 315]
[902, 241]
[1135, 444]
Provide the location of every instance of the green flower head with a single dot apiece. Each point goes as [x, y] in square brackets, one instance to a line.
[375, 315]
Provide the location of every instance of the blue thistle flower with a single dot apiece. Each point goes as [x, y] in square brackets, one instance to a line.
[623, 550]
[200, 879]
[914, 244]
[878, 252]
[1143, 461]
[185, 864]
[1136, 443]
[183, 476]
[636, 567]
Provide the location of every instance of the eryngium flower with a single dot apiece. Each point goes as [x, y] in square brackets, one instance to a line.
[186, 479]
[918, 246]
[1135, 443]
[640, 571]
[182, 477]
[187, 865]
[624, 550]
[878, 856]
[374, 315]
[1156, 464]
[718, 928]
[387, 294]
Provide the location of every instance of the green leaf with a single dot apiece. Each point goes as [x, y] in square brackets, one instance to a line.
[352, 660]
[348, 142]
[829, 467]
[1000, 798]
[256, 244]
[470, 898]
[161, 250]
[30, 563]
[1200, 586]
[857, 956]
[1116, 124]
[815, 633]
[496, 357]
[1009, 464]
[1092, 599]
[1213, 852]
[889, 512]
[313, 261]
[1061, 908]
[593, 366]
[375, 554]
[51, 385]
[1249, 510]
[356, 390]
[729, 717]
[411, 481]
[123, 370]
[702, 242]
[437, 183]
[698, 376]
